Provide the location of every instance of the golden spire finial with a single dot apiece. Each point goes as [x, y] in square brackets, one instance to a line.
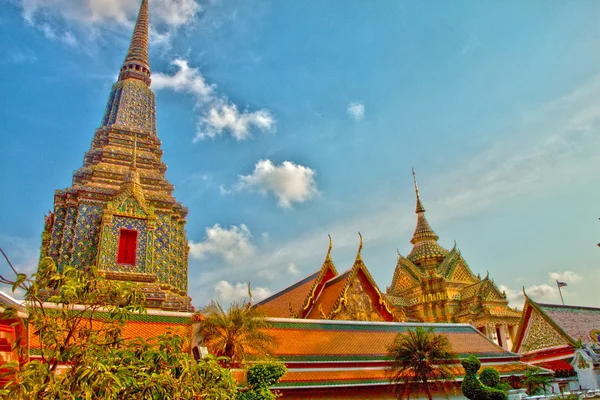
[420, 207]
[358, 255]
[137, 62]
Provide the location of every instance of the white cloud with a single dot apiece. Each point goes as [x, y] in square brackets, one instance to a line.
[289, 182]
[220, 115]
[223, 117]
[92, 18]
[547, 147]
[542, 293]
[566, 276]
[186, 80]
[292, 269]
[233, 245]
[227, 293]
[356, 110]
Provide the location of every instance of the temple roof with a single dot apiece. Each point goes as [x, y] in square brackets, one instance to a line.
[562, 326]
[334, 296]
[279, 304]
[424, 240]
[575, 321]
[297, 298]
[327, 340]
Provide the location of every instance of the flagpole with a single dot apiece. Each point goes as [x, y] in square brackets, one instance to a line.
[560, 292]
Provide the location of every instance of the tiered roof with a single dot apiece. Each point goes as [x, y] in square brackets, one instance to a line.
[325, 353]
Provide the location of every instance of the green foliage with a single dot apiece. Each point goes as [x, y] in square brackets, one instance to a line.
[489, 377]
[471, 386]
[78, 318]
[260, 377]
[235, 333]
[420, 359]
[535, 381]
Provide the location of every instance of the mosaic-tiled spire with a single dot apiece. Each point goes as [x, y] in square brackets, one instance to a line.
[424, 240]
[137, 62]
[121, 198]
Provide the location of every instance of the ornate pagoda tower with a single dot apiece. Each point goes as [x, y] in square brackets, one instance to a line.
[433, 284]
[120, 214]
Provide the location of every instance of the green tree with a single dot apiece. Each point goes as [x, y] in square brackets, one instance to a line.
[234, 333]
[535, 381]
[420, 360]
[260, 377]
[77, 317]
[473, 388]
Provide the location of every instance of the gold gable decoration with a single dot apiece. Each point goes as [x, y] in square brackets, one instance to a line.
[357, 305]
[540, 334]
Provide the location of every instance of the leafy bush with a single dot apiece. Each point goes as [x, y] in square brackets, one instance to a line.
[472, 388]
[259, 378]
[84, 330]
[489, 377]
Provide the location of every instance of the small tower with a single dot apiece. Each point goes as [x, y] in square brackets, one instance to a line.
[120, 214]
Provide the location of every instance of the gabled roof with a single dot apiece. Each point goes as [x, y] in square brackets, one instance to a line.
[297, 299]
[577, 322]
[406, 273]
[562, 326]
[279, 304]
[334, 297]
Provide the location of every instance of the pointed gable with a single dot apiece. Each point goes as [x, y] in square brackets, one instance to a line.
[289, 300]
[353, 295]
[295, 300]
[545, 326]
[537, 331]
[406, 276]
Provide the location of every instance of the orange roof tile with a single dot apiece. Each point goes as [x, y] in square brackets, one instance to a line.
[325, 340]
[329, 295]
[278, 305]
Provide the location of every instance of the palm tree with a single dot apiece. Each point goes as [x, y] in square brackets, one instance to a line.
[236, 333]
[419, 359]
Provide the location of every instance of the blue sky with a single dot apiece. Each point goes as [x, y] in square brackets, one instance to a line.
[283, 122]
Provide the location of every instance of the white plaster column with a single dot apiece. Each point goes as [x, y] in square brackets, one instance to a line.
[502, 339]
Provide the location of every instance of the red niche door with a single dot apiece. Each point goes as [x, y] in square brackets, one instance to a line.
[127, 247]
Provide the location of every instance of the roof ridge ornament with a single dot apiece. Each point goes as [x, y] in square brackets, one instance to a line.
[358, 255]
[330, 247]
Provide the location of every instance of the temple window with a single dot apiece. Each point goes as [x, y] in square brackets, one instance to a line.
[127, 247]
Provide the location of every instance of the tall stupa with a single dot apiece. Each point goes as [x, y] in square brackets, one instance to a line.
[119, 214]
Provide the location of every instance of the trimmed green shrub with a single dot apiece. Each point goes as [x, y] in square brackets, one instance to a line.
[260, 377]
[489, 377]
[472, 388]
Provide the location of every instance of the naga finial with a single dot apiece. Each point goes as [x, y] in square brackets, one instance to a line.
[360, 246]
[330, 246]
